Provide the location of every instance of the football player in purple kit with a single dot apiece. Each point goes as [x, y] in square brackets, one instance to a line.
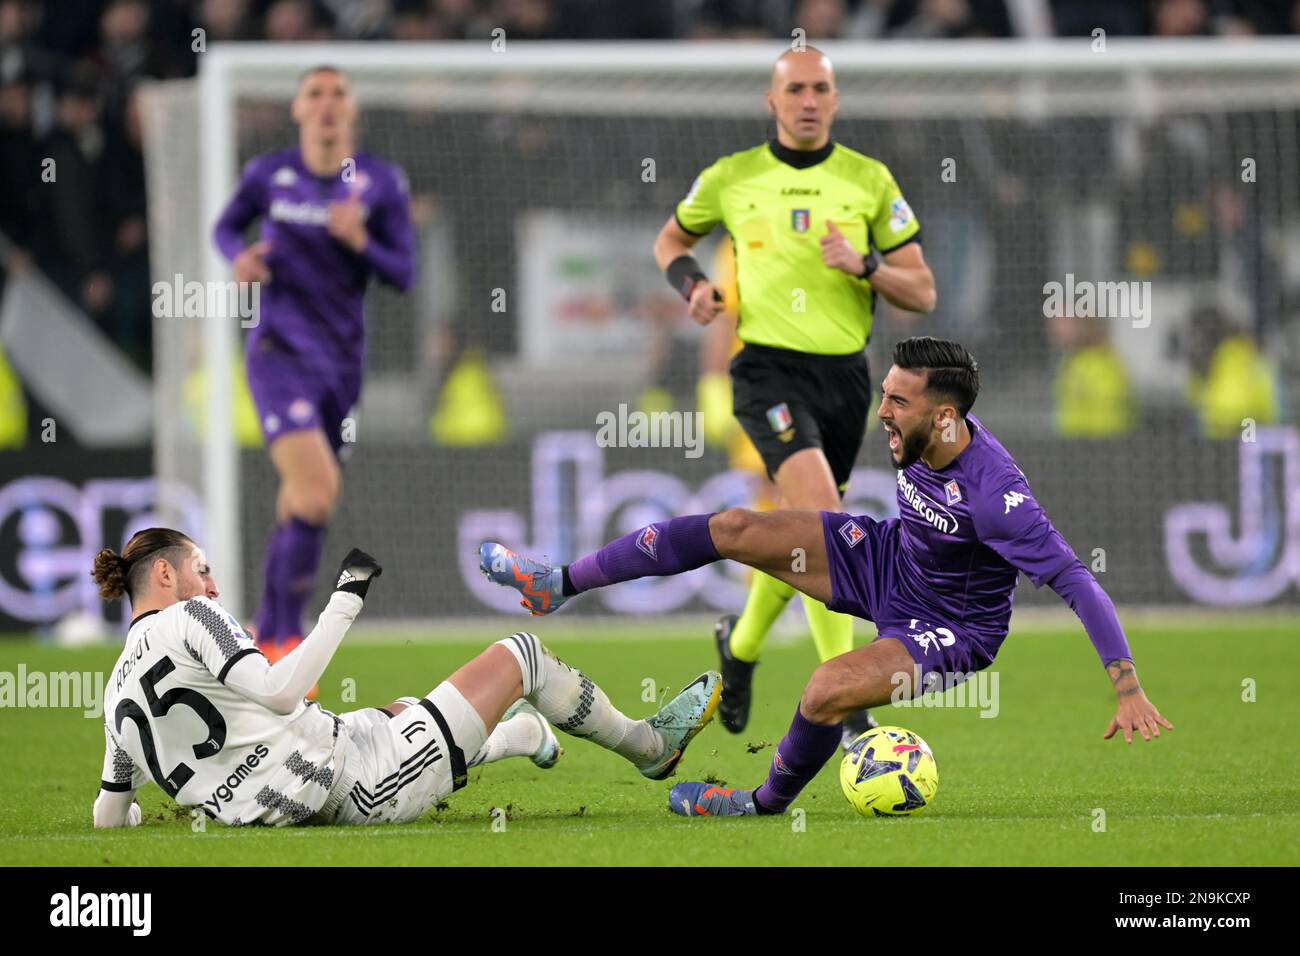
[332, 217]
[938, 581]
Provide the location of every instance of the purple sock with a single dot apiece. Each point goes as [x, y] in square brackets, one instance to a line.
[802, 752]
[665, 547]
[268, 613]
[301, 561]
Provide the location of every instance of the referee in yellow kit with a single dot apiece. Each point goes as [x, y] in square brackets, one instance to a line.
[819, 229]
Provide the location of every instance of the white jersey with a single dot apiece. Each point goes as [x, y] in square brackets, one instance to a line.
[169, 717]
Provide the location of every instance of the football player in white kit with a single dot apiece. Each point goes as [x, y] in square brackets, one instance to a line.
[193, 705]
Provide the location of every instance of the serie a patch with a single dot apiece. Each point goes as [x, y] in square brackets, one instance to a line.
[852, 532]
[648, 541]
[900, 214]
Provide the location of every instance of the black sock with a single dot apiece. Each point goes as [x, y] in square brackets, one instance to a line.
[566, 587]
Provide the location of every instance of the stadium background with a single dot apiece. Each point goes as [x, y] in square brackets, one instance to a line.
[539, 306]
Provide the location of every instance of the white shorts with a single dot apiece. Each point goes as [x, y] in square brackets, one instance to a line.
[398, 768]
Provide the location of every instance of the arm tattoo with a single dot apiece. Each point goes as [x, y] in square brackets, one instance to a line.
[1123, 668]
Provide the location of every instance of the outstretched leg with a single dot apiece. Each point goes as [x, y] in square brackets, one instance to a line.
[789, 545]
[521, 666]
[866, 677]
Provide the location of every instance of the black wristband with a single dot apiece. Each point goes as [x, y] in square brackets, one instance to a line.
[356, 572]
[683, 272]
[355, 586]
[870, 263]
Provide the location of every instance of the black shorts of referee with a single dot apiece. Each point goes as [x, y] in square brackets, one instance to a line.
[788, 401]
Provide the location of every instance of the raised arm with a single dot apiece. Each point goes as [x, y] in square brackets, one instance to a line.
[901, 275]
[904, 279]
[388, 245]
[281, 686]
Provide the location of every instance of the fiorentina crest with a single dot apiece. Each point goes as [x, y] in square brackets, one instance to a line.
[852, 532]
[647, 540]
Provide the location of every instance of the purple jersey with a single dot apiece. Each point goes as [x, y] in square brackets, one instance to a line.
[967, 530]
[312, 309]
[952, 558]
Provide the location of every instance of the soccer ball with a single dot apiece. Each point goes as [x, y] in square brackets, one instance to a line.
[889, 771]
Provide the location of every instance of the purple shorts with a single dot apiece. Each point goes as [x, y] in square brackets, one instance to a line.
[292, 395]
[862, 556]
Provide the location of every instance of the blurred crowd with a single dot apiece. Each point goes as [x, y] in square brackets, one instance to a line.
[69, 72]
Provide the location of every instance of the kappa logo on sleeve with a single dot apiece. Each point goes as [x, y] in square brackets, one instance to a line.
[648, 540]
[852, 532]
[1011, 499]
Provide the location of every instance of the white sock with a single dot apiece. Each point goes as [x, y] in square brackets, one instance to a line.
[573, 703]
[520, 736]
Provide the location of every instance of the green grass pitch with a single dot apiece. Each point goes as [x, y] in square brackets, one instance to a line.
[1020, 788]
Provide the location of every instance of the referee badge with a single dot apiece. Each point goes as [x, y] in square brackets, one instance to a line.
[779, 417]
[800, 219]
[782, 422]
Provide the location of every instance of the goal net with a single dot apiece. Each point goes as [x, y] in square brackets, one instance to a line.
[1114, 234]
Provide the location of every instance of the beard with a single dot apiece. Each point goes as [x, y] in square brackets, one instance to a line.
[910, 449]
[184, 591]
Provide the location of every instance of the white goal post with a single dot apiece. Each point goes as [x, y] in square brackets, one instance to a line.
[193, 146]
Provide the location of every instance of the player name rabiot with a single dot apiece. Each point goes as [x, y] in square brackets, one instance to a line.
[137, 651]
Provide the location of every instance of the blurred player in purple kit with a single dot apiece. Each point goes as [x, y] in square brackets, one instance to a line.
[938, 581]
[331, 217]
